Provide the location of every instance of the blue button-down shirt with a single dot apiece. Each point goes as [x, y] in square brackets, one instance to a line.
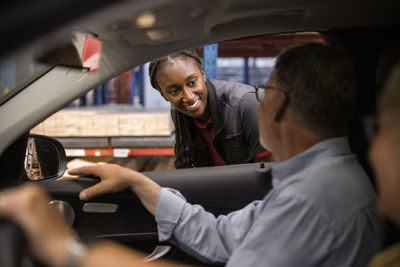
[320, 212]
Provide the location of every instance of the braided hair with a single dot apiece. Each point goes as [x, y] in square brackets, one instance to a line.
[157, 64]
[185, 149]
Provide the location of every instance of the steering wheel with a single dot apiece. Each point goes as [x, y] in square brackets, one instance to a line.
[12, 244]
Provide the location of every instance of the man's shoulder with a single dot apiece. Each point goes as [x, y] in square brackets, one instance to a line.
[338, 188]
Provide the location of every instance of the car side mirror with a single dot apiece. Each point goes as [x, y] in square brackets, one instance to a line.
[45, 158]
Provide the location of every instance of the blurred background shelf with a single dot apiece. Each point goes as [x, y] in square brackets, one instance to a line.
[106, 121]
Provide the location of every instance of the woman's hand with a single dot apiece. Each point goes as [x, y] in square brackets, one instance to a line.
[115, 178]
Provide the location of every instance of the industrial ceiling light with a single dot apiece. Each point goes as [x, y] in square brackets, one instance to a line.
[146, 20]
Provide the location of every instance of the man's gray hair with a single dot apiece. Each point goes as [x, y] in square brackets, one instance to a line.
[321, 84]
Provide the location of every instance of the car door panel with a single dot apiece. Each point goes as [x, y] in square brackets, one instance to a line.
[218, 189]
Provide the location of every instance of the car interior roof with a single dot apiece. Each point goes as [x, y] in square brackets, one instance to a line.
[210, 21]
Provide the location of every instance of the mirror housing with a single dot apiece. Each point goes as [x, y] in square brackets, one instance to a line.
[45, 158]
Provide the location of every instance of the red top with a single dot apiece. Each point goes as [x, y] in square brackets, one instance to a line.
[262, 154]
[208, 135]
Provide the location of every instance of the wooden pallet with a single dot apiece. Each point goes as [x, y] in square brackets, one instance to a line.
[107, 121]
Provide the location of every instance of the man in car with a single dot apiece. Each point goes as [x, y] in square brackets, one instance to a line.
[320, 211]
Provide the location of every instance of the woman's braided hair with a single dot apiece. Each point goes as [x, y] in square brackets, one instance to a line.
[185, 129]
[158, 63]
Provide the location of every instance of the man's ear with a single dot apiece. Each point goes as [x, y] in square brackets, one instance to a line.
[280, 104]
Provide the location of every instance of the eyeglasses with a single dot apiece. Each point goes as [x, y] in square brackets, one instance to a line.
[260, 91]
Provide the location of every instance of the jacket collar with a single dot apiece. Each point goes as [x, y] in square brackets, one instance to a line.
[214, 107]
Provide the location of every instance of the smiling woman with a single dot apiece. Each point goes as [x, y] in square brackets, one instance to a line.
[215, 121]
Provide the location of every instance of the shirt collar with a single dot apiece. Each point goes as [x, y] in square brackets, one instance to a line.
[324, 149]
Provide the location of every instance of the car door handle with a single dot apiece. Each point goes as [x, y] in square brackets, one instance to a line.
[158, 252]
[99, 207]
